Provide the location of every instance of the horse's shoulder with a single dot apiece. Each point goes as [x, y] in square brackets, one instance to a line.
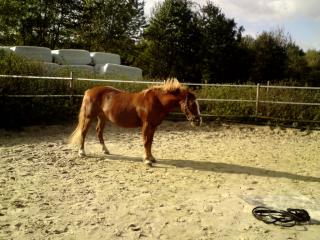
[147, 93]
[151, 98]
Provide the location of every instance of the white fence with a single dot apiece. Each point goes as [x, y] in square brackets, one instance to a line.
[257, 101]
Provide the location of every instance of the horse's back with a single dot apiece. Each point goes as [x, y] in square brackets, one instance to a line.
[99, 91]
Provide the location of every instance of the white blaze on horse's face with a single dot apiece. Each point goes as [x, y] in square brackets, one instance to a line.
[196, 119]
[198, 113]
[192, 110]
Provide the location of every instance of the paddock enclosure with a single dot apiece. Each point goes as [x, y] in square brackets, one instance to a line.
[204, 186]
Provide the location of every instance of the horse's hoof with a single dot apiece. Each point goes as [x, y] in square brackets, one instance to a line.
[147, 163]
[106, 152]
[81, 154]
[150, 158]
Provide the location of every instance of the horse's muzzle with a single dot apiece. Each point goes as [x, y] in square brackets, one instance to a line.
[196, 121]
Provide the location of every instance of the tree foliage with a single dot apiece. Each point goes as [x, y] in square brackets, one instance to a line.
[171, 41]
[269, 59]
[181, 39]
[312, 58]
[38, 22]
[220, 45]
[192, 46]
[297, 68]
[276, 57]
[109, 25]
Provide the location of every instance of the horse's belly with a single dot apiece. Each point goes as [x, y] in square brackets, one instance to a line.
[125, 119]
[118, 111]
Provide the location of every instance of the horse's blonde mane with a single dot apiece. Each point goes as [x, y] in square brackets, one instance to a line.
[170, 85]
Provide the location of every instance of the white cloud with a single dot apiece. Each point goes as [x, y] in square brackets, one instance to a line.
[254, 10]
[149, 4]
[308, 8]
[272, 10]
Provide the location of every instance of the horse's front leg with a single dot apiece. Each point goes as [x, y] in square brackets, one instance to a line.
[147, 135]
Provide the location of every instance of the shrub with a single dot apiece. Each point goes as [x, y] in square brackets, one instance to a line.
[269, 111]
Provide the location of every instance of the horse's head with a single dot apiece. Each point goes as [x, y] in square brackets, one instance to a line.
[172, 92]
[190, 107]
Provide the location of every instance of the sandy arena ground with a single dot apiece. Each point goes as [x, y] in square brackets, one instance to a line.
[204, 186]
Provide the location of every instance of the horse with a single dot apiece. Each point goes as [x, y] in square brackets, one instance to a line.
[145, 109]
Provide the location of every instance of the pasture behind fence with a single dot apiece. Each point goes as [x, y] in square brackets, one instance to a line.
[260, 97]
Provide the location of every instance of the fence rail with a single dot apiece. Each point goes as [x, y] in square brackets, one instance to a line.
[155, 82]
[257, 100]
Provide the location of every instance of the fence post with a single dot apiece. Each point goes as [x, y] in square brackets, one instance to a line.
[71, 81]
[71, 86]
[268, 105]
[257, 99]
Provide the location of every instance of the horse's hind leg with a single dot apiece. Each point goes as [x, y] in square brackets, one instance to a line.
[84, 131]
[100, 126]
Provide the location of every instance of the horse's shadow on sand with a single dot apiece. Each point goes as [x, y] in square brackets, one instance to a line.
[220, 167]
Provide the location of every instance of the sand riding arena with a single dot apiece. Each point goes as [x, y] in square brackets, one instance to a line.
[204, 186]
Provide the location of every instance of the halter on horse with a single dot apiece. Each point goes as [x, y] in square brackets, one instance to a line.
[146, 109]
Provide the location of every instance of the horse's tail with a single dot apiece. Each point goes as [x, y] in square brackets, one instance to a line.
[75, 137]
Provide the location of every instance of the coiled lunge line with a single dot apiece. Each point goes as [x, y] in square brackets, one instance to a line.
[283, 218]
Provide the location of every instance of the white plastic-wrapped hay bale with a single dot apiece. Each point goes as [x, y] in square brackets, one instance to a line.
[103, 58]
[51, 67]
[37, 53]
[71, 57]
[121, 71]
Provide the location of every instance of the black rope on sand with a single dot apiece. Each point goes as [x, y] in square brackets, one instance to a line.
[288, 218]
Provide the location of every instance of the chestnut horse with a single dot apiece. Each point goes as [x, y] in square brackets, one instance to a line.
[146, 109]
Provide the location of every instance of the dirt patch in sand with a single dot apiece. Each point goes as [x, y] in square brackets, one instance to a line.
[204, 186]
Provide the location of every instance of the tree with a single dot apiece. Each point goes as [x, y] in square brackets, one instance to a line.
[8, 22]
[269, 59]
[313, 61]
[245, 58]
[107, 25]
[220, 45]
[171, 42]
[296, 63]
[38, 22]
[112, 25]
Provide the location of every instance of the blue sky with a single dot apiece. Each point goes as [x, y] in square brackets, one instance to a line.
[299, 18]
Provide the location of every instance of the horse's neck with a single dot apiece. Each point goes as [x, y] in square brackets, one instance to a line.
[168, 101]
